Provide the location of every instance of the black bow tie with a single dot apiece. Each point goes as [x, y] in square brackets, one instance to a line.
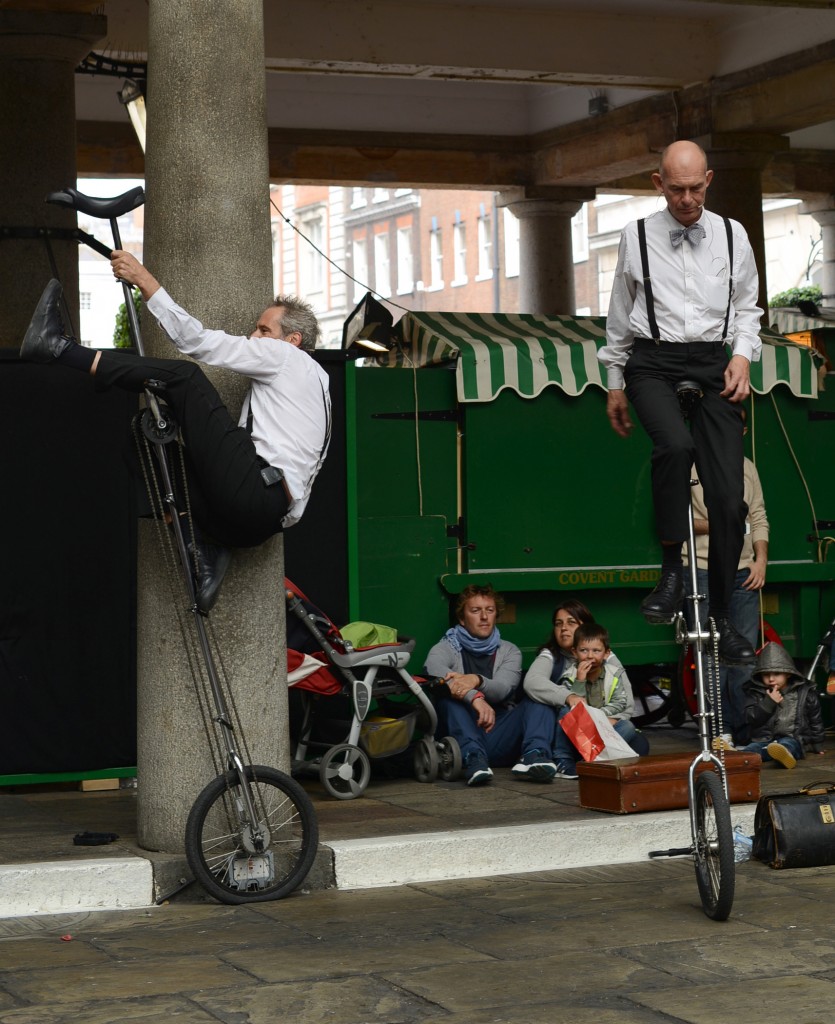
[694, 234]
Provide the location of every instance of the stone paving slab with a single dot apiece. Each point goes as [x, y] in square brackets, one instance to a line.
[623, 944]
[382, 838]
[766, 1000]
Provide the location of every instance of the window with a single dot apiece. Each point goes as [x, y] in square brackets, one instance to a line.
[311, 262]
[405, 272]
[382, 267]
[511, 244]
[459, 254]
[580, 234]
[85, 300]
[380, 195]
[359, 262]
[275, 232]
[358, 198]
[485, 246]
[436, 259]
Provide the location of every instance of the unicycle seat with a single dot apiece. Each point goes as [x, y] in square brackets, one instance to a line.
[105, 209]
[688, 392]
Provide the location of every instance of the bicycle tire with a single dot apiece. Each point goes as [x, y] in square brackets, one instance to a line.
[713, 847]
[219, 847]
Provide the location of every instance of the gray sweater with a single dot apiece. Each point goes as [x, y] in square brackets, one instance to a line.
[499, 688]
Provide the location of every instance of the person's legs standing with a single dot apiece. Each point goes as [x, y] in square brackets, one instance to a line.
[745, 616]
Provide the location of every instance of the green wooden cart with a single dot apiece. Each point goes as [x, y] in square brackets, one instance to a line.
[480, 451]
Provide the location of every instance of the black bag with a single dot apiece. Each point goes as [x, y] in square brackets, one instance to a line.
[796, 830]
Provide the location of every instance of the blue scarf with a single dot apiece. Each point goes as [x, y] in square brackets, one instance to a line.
[460, 639]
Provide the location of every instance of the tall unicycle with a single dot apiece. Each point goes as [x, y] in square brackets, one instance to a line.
[712, 846]
[251, 834]
[242, 855]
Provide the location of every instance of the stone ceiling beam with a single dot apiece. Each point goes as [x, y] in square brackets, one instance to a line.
[775, 98]
[492, 43]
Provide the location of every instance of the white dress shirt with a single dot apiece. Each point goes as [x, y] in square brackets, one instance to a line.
[291, 408]
[689, 288]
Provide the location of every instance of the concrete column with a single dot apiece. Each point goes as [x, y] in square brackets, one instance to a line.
[38, 54]
[736, 189]
[546, 265]
[208, 240]
[823, 210]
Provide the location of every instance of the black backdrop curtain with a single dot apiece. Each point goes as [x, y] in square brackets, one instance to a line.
[67, 575]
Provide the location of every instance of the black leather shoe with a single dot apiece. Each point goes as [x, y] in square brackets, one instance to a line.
[44, 340]
[662, 605]
[212, 563]
[734, 649]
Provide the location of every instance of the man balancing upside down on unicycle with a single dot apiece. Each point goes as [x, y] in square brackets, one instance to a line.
[247, 481]
[685, 285]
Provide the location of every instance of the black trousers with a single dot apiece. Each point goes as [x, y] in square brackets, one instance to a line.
[228, 495]
[713, 442]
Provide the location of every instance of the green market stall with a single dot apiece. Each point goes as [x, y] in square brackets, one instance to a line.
[479, 450]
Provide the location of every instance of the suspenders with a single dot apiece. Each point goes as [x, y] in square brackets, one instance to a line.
[642, 243]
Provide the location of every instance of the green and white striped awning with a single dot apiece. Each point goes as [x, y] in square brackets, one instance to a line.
[530, 353]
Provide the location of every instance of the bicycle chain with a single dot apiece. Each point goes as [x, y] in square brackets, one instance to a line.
[715, 689]
[174, 582]
[201, 683]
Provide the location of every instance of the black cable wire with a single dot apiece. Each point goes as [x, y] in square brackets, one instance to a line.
[335, 265]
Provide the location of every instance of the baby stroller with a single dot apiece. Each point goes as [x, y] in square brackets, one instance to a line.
[373, 685]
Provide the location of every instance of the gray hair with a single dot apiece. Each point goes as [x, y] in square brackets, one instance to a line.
[298, 315]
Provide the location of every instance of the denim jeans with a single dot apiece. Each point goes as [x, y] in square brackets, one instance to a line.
[759, 747]
[564, 749]
[744, 613]
[522, 727]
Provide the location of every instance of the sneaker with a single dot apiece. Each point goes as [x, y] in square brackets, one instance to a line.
[536, 766]
[782, 755]
[476, 769]
[566, 770]
[723, 742]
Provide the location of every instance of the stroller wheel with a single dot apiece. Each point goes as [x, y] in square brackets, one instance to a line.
[426, 760]
[450, 758]
[345, 771]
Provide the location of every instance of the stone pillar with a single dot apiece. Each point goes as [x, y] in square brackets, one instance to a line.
[38, 55]
[736, 189]
[207, 238]
[546, 265]
[823, 210]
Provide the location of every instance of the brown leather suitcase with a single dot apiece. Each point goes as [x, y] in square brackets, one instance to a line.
[658, 782]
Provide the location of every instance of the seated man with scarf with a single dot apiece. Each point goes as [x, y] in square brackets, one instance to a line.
[486, 711]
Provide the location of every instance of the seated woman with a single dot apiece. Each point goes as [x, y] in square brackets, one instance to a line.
[550, 680]
[493, 722]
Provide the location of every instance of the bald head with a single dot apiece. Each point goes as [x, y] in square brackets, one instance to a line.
[683, 157]
[683, 178]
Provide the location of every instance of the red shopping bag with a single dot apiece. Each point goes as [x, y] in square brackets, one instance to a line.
[579, 727]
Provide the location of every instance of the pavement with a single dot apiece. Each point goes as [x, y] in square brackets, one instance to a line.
[592, 943]
[399, 832]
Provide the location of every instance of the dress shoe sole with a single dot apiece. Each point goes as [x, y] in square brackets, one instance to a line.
[659, 618]
[37, 346]
[736, 662]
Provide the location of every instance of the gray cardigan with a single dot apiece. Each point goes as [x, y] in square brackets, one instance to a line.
[507, 670]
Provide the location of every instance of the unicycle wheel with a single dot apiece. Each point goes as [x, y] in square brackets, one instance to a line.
[713, 849]
[241, 861]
